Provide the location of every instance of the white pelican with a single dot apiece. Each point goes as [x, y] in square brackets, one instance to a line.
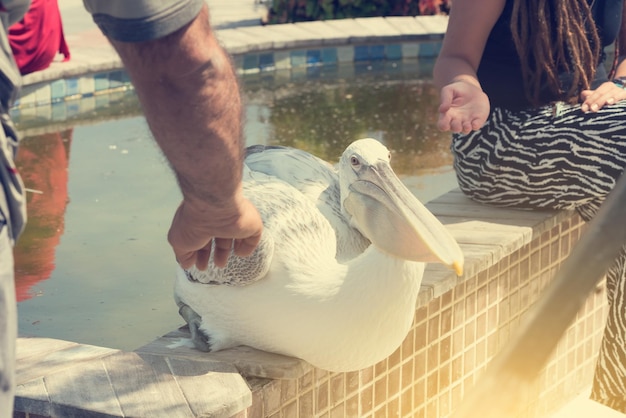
[318, 181]
[293, 297]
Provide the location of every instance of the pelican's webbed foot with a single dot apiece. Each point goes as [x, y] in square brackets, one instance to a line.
[201, 340]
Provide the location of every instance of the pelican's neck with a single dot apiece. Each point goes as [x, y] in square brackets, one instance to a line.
[369, 275]
[376, 262]
[375, 272]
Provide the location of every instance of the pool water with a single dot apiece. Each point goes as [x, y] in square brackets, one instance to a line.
[93, 265]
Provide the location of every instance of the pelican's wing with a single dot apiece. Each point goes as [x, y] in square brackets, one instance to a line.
[318, 181]
[307, 173]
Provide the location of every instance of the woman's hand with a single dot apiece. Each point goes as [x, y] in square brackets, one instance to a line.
[606, 94]
[464, 107]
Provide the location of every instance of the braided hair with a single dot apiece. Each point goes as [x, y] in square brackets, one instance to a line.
[555, 37]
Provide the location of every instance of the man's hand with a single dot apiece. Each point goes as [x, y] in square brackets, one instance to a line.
[194, 228]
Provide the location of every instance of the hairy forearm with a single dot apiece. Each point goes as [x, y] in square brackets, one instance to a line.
[190, 97]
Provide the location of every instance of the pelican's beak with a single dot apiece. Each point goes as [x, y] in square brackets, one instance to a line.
[387, 213]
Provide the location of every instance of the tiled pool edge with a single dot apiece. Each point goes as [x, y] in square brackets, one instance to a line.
[459, 325]
[98, 70]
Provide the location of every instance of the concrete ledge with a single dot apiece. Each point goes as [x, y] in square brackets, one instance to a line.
[61, 379]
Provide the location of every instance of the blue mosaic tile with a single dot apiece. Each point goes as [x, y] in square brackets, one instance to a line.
[102, 100]
[362, 67]
[410, 50]
[266, 61]
[72, 108]
[57, 90]
[299, 73]
[429, 49]
[329, 71]
[394, 52]
[101, 81]
[59, 112]
[361, 53]
[71, 87]
[44, 111]
[282, 60]
[43, 93]
[313, 57]
[367, 67]
[377, 52]
[329, 55]
[117, 79]
[298, 59]
[250, 62]
[345, 54]
[314, 72]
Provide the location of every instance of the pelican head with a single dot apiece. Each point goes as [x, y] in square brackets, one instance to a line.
[380, 206]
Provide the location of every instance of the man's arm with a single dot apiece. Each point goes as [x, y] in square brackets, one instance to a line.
[189, 93]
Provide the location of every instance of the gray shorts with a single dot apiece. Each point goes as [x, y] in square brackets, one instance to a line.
[8, 322]
[12, 219]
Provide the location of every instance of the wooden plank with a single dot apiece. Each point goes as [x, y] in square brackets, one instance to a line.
[497, 243]
[82, 388]
[437, 280]
[39, 357]
[248, 361]
[487, 226]
[256, 363]
[211, 388]
[452, 220]
[474, 211]
[32, 397]
[141, 390]
[137, 385]
[36, 346]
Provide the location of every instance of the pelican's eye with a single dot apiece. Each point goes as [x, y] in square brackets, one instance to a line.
[354, 161]
[389, 156]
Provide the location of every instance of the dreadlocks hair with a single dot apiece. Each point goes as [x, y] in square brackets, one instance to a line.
[554, 37]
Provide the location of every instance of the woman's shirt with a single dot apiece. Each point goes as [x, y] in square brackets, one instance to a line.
[500, 72]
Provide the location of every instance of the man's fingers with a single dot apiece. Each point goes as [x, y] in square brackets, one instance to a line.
[185, 260]
[221, 251]
[202, 258]
[245, 247]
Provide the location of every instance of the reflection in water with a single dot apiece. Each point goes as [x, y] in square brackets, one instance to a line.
[398, 114]
[93, 265]
[43, 162]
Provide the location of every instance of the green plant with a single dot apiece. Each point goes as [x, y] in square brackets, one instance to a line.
[284, 11]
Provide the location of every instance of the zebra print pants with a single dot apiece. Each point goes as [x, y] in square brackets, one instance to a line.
[558, 158]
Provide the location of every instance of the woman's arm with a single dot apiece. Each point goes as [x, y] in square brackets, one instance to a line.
[463, 105]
